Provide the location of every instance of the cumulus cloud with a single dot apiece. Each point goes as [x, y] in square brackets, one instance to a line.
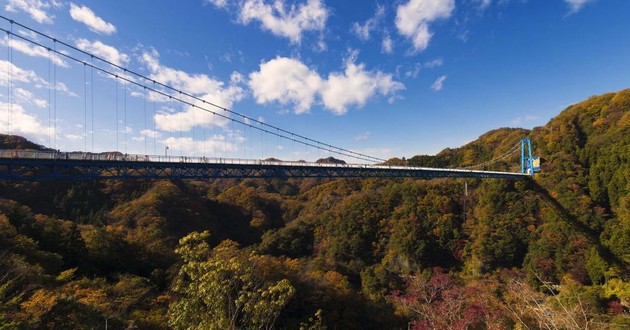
[85, 15]
[33, 50]
[414, 17]
[287, 81]
[576, 5]
[290, 82]
[34, 8]
[206, 89]
[355, 86]
[100, 49]
[14, 118]
[363, 30]
[438, 83]
[287, 21]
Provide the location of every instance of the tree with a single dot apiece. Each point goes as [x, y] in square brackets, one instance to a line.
[436, 301]
[220, 289]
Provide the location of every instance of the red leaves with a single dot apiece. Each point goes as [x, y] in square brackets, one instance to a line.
[438, 301]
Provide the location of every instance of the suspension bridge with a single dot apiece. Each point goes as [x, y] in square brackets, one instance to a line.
[212, 141]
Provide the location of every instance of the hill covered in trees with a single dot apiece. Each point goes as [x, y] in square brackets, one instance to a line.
[552, 252]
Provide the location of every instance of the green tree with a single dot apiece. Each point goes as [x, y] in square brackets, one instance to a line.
[220, 289]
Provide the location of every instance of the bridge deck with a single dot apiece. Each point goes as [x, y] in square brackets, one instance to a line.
[22, 165]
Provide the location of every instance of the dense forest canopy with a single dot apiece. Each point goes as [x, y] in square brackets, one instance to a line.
[552, 252]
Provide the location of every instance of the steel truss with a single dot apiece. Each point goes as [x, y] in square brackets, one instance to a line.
[56, 169]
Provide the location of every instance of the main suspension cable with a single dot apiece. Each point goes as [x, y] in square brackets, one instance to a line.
[497, 159]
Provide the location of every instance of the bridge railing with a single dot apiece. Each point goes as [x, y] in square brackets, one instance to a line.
[117, 156]
[120, 157]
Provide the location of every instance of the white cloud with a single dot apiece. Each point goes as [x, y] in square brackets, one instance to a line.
[33, 50]
[362, 137]
[24, 96]
[417, 67]
[282, 20]
[150, 133]
[191, 83]
[289, 81]
[483, 4]
[203, 87]
[413, 73]
[433, 63]
[413, 18]
[363, 30]
[438, 83]
[35, 8]
[387, 46]
[100, 49]
[85, 15]
[576, 5]
[218, 143]
[355, 86]
[18, 74]
[73, 137]
[20, 123]
[218, 3]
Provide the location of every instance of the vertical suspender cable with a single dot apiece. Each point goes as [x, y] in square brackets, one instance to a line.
[10, 81]
[181, 139]
[10, 64]
[204, 136]
[55, 97]
[92, 102]
[192, 109]
[250, 153]
[84, 108]
[233, 139]
[117, 123]
[125, 114]
[145, 120]
[49, 100]
[154, 125]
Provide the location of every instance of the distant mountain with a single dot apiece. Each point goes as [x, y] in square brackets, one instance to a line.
[330, 160]
[18, 142]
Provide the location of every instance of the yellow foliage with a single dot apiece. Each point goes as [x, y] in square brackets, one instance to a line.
[40, 303]
[66, 275]
[338, 281]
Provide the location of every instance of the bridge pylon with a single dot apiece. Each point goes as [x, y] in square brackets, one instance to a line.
[529, 164]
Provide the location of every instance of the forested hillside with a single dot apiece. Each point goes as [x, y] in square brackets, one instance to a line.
[552, 252]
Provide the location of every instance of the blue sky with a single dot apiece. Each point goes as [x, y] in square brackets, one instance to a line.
[386, 78]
